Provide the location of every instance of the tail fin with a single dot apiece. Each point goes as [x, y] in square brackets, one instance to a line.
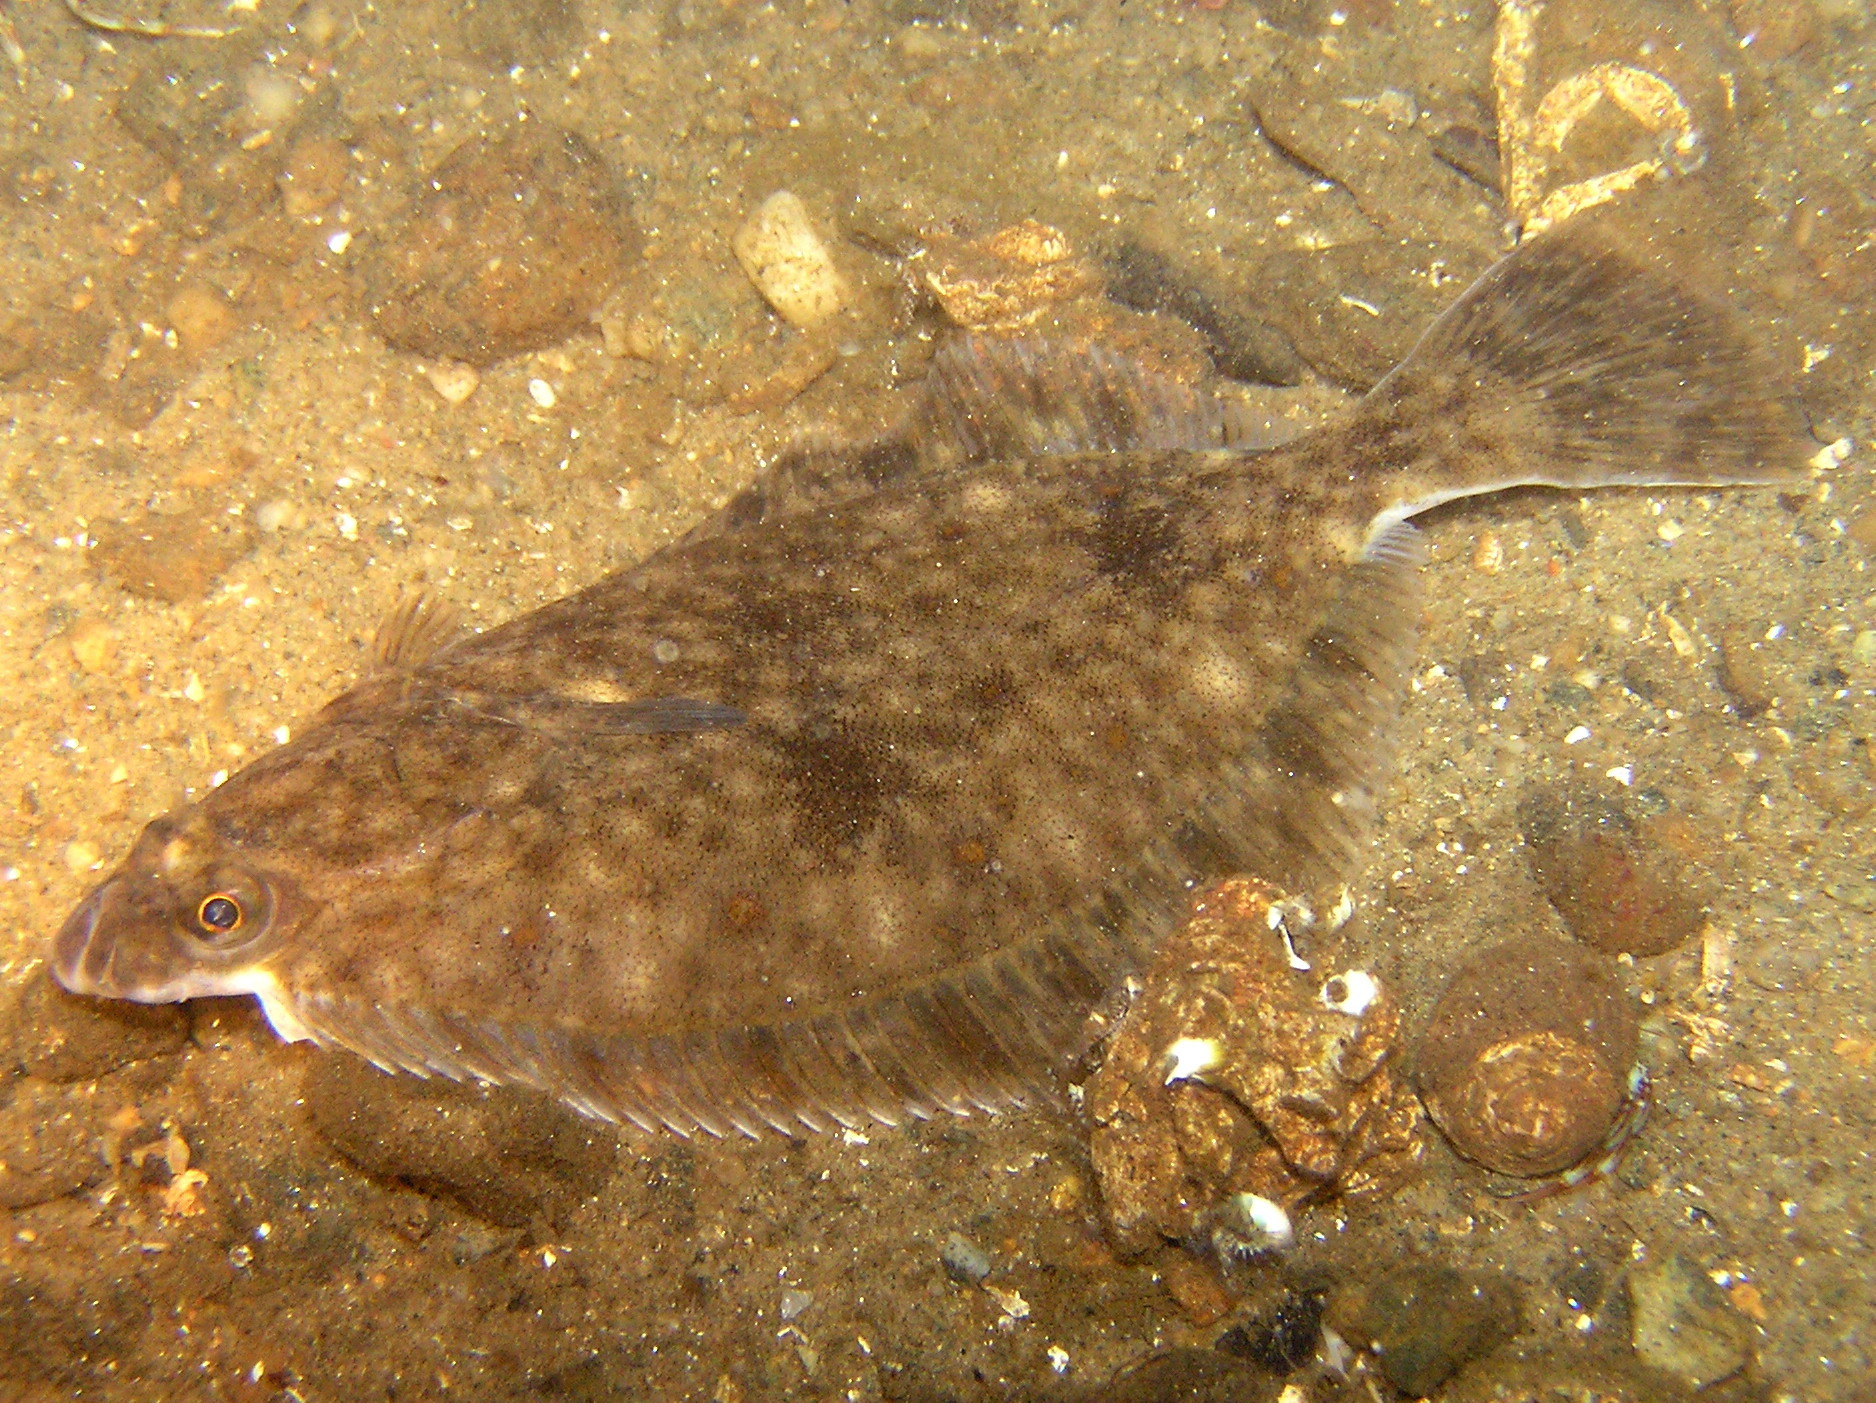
[1570, 364]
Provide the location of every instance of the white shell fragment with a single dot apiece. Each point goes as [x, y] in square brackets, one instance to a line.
[1249, 1225]
[1187, 1058]
[789, 262]
[1352, 993]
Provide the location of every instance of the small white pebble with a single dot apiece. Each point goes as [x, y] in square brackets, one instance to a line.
[1831, 454]
[273, 514]
[282, 735]
[192, 687]
[1058, 1359]
[541, 393]
[1577, 735]
[340, 241]
[453, 380]
[1623, 775]
[347, 525]
[1670, 531]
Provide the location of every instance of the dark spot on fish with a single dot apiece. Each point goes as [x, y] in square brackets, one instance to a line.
[889, 461]
[990, 693]
[1136, 541]
[743, 911]
[843, 776]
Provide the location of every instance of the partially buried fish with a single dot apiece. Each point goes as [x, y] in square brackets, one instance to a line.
[864, 799]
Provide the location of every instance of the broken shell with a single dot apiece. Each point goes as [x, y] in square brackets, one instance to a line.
[1525, 1063]
[1249, 1225]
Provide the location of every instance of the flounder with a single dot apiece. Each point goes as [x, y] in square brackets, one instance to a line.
[864, 799]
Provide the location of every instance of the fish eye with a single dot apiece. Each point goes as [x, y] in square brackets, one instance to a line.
[219, 914]
[227, 913]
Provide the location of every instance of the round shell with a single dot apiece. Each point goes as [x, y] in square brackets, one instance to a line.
[1525, 1062]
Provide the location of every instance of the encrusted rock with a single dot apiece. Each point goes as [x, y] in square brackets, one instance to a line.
[513, 246]
[1240, 1087]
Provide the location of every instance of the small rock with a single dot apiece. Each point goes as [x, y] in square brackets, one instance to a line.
[171, 558]
[315, 172]
[1426, 1322]
[453, 380]
[964, 1261]
[794, 1304]
[1743, 673]
[48, 1146]
[67, 1038]
[1195, 1285]
[202, 318]
[94, 644]
[513, 247]
[1615, 888]
[508, 1156]
[788, 261]
[1682, 1325]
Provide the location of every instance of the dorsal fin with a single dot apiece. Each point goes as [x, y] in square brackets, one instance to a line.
[989, 399]
[986, 398]
[420, 625]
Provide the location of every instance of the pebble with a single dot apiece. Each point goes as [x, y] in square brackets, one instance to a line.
[315, 172]
[171, 558]
[1681, 1324]
[1616, 890]
[201, 317]
[94, 644]
[788, 261]
[964, 1261]
[453, 379]
[512, 247]
[1426, 1322]
[542, 394]
[1744, 676]
[508, 1157]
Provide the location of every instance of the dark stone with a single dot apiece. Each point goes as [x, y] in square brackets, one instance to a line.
[1426, 1322]
[511, 248]
[65, 1037]
[1615, 888]
[509, 1156]
[1284, 1337]
[1241, 344]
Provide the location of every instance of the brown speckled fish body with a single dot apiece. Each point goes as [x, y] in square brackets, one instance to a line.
[859, 800]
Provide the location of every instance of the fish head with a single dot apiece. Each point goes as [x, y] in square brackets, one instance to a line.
[186, 916]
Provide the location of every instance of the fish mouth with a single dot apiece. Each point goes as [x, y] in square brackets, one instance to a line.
[78, 961]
